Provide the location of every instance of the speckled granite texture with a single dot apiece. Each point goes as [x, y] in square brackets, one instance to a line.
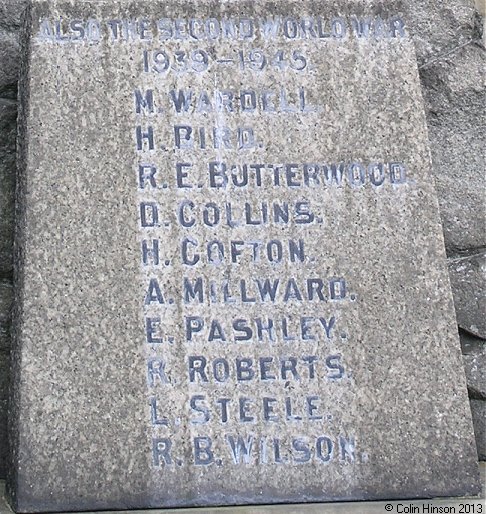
[169, 373]
[377, 507]
[450, 52]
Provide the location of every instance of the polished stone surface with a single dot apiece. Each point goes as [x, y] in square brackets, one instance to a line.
[231, 281]
[371, 507]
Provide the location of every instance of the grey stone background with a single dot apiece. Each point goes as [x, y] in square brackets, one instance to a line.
[451, 59]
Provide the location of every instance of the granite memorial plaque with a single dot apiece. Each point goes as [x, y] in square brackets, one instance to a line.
[230, 267]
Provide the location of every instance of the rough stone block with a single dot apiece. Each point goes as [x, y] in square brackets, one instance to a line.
[217, 299]
[6, 298]
[481, 7]
[8, 131]
[9, 59]
[11, 14]
[455, 94]
[468, 280]
[474, 356]
[478, 409]
[4, 382]
[437, 28]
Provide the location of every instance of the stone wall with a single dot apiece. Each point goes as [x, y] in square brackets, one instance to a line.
[10, 16]
[451, 59]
